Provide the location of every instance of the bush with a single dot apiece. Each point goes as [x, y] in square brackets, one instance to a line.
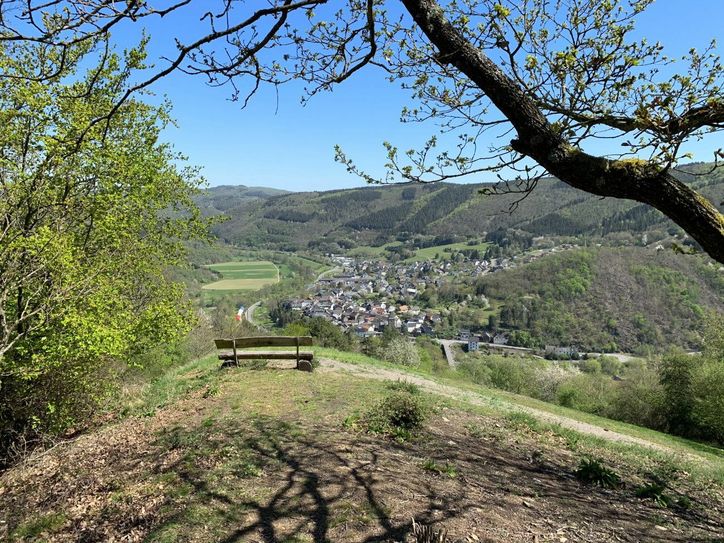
[675, 372]
[403, 386]
[592, 393]
[399, 415]
[592, 471]
[655, 492]
[639, 399]
[590, 365]
[707, 410]
[610, 365]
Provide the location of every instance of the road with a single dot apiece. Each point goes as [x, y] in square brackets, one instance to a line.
[447, 346]
[249, 314]
[328, 272]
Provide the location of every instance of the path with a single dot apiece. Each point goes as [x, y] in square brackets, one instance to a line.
[429, 385]
[328, 272]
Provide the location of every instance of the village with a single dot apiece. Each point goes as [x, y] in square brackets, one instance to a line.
[368, 296]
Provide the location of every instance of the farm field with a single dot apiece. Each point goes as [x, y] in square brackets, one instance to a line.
[428, 253]
[248, 275]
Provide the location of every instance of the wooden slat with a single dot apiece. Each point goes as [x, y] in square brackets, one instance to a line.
[267, 355]
[264, 341]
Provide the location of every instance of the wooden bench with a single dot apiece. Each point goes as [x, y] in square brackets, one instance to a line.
[303, 358]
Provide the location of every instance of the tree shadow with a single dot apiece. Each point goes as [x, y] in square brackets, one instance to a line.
[264, 479]
[315, 482]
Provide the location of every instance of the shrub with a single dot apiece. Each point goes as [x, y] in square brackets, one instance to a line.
[399, 415]
[610, 365]
[655, 492]
[590, 365]
[442, 469]
[403, 386]
[592, 393]
[707, 410]
[592, 471]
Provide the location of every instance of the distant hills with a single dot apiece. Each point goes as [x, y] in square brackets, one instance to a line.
[343, 219]
[223, 198]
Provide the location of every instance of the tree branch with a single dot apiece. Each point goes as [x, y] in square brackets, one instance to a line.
[538, 139]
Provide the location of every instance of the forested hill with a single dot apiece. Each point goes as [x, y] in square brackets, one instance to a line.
[223, 198]
[629, 299]
[342, 219]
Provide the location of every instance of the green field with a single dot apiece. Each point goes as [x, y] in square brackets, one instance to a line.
[428, 253]
[248, 275]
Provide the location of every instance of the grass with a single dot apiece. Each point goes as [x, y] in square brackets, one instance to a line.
[35, 527]
[446, 468]
[246, 275]
[499, 402]
[428, 253]
[230, 442]
[205, 373]
[368, 251]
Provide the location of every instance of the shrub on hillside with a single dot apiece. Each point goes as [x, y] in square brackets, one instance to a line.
[610, 365]
[399, 415]
[592, 393]
[590, 365]
[592, 471]
[639, 399]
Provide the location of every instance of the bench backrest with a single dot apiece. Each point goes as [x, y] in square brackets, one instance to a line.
[264, 341]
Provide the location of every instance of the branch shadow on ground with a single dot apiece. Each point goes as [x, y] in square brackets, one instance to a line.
[270, 481]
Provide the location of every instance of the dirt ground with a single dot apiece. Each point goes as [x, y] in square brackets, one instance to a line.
[228, 467]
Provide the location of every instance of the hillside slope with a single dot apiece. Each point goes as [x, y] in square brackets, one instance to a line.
[250, 455]
[609, 298]
[341, 219]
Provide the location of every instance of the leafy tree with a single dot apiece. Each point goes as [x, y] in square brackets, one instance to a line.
[402, 351]
[558, 74]
[708, 382]
[88, 229]
[675, 374]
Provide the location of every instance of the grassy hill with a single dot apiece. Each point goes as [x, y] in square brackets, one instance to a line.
[278, 455]
[344, 219]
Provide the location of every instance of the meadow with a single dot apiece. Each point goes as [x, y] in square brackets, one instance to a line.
[431, 253]
[248, 275]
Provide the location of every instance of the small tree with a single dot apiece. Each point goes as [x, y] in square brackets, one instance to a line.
[88, 229]
[402, 351]
[675, 373]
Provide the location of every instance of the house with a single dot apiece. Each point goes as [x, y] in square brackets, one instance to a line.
[564, 352]
[500, 339]
[473, 343]
[464, 334]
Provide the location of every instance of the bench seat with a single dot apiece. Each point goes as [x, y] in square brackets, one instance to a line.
[233, 356]
[266, 355]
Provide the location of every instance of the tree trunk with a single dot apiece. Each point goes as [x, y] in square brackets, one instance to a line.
[631, 179]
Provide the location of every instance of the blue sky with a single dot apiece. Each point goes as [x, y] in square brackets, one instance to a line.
[276, 142]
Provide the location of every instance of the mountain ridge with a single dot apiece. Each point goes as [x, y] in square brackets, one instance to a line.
[341, 219]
